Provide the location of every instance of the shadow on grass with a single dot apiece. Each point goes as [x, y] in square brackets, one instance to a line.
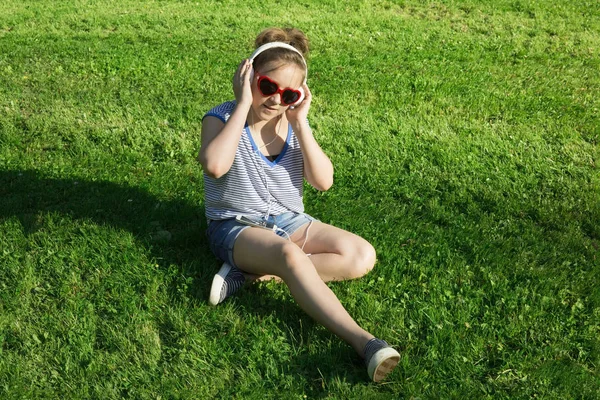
[173, 232]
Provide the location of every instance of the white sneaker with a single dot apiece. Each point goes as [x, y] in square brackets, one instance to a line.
[226, 282]
[380, 358]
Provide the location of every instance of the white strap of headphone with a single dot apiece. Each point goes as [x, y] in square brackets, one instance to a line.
[273, 45]
[281, 45]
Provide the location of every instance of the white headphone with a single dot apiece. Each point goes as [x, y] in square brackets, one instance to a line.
[282, 45]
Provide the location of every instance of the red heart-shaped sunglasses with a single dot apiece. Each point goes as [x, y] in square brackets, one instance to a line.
[268, 87]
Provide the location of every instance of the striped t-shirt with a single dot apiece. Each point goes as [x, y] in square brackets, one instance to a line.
[254, 185]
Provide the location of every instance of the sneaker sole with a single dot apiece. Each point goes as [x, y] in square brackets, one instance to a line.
[217, 284]
[382, 363]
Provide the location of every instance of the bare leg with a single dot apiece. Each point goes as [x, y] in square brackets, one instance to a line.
[258, 251]
[336, 254]
[261, 278]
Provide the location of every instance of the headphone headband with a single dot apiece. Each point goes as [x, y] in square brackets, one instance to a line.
[281, 45]
[273, 45]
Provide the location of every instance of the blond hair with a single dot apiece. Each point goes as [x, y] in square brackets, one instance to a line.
[292, 36]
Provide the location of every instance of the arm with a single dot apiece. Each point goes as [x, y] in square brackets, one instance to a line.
[220, 140]
[318, 169]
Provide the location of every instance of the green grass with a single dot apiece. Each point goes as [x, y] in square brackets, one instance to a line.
[465, 137]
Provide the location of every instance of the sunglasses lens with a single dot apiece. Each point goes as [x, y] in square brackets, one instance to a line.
[290, 97]
[267, 87]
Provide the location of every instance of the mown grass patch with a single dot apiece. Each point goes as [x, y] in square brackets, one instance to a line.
[465, 141]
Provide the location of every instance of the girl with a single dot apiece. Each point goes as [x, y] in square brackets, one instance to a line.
[256, 151]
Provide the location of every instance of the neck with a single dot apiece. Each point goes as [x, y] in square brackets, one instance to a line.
[258, 125]
[267, 131]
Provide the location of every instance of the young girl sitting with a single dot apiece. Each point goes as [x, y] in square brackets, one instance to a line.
[256, 152]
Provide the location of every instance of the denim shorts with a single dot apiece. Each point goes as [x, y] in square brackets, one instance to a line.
[223, 233]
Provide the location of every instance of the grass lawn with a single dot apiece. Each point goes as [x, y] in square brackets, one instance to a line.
[465, 137]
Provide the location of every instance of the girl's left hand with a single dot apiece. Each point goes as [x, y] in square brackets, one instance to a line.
[300, 112]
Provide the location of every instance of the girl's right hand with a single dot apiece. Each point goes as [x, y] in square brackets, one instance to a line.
[241, 83]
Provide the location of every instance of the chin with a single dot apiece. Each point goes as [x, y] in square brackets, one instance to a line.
[267, 114]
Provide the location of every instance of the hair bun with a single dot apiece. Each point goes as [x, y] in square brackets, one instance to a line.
[292, 36]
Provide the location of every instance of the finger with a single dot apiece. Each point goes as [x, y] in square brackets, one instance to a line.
[247, 69]
[307, 92]
[243, 67]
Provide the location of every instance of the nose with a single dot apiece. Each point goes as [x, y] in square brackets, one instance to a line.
[276, 98]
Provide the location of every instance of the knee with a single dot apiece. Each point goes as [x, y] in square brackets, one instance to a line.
[292, 258]
[363, 260]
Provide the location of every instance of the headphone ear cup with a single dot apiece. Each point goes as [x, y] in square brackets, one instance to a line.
[301, 90]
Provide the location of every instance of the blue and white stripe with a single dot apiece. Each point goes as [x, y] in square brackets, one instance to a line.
[254, 185]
